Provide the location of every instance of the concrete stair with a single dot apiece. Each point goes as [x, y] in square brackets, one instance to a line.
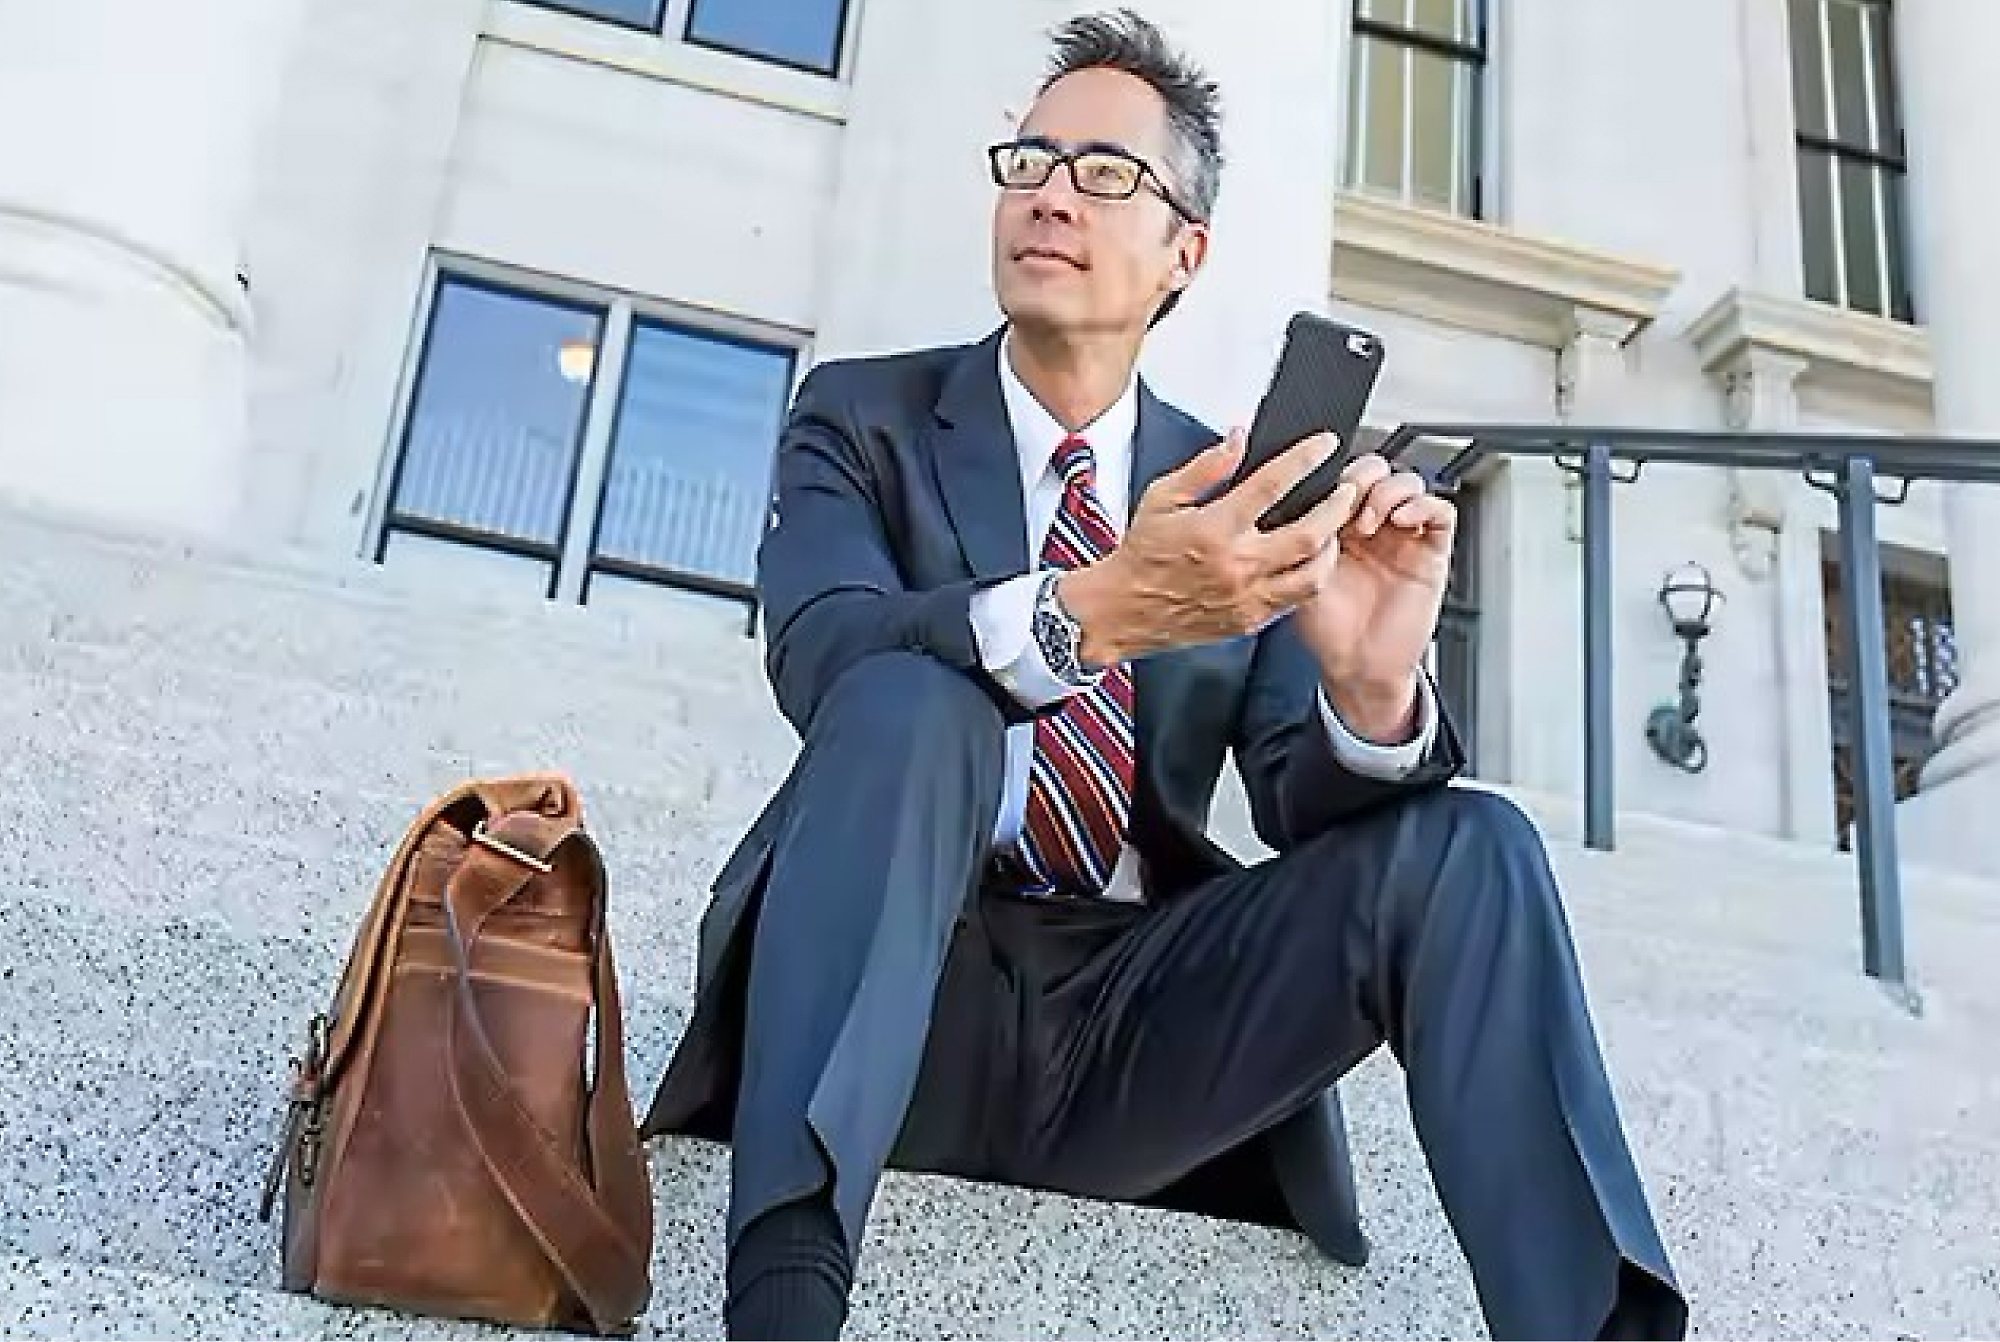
[208, 754]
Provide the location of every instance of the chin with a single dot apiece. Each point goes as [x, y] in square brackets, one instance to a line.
[1032, 310]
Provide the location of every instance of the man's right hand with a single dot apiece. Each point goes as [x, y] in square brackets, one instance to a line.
[1191, 571]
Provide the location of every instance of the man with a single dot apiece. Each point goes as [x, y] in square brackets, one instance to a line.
[1018, 621]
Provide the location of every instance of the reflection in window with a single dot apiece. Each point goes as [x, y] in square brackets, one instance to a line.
[688, 487]
[631, 13]
[494, 428]
[804, 33]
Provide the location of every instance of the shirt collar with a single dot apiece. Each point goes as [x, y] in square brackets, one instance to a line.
[1037, 433]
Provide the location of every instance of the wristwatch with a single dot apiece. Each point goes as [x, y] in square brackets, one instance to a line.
[1059, 636]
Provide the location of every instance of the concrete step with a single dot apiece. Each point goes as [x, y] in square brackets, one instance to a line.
[345, 622]
[145, 817]
[237, 943]
[211, 750]
[141, 1148]
[263, 725]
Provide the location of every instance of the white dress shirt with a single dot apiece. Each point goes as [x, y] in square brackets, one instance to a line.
[1002, 616]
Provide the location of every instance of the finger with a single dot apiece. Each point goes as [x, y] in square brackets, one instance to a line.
[1274, 479]
[1384, 497]
[1197, 481]
[1302, 582]
[1300, 541]
[1426, 513]
[1366, 469]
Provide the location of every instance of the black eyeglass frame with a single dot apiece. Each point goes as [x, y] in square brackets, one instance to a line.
[1066, 158]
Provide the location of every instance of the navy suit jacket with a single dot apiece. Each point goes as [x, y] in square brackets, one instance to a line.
[899, 498]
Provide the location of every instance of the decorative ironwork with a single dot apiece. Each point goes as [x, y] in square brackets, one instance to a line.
[1922, 659]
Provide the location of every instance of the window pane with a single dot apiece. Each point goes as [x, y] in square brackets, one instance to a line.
[1850, 74]
[1437, 128]
[689, 482]
[1861, 234]
[1375, 129]
[1895, 222]
[498, 412]
[1879, 45]
[793, 32]
[637, 13]
[1445, 18]
[1808, 78]
[1816, 226]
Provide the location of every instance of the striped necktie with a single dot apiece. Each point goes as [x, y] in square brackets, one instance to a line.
[1080, 784]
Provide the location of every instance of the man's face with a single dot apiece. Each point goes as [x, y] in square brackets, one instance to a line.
[1078, 263]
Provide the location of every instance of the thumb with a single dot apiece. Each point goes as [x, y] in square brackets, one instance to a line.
[1202, 477]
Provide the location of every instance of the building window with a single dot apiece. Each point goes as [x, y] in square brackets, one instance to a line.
[626, 13]
[1850, 156]
[490, 447]
[804, 34]
[1415, 96]
[585, 438]
[801, 33]
[688, 487]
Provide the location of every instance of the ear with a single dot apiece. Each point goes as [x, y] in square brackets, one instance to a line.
[1191, 250]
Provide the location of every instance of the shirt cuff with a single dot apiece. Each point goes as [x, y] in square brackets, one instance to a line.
[1003, 618]
[1389, 763]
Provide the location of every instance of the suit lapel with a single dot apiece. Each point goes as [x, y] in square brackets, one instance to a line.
[978, 468]
[1156, 449]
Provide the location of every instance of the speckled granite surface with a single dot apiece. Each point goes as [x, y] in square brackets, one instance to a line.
[205, 763]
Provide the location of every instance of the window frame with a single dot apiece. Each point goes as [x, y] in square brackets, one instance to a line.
[1888, 168]
[1475, 56]
[677, 19]
[592, 563]
[573, 562]
[843, 40]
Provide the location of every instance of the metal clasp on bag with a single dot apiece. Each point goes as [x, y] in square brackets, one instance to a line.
[305, 1115]
[486, 839]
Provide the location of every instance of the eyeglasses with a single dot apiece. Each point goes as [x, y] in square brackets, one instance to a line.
[1101, 171]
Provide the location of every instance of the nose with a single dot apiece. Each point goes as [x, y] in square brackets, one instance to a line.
[1056, 198]
[1060, 211]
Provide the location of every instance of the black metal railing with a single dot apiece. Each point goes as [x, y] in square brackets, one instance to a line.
[1847, 466]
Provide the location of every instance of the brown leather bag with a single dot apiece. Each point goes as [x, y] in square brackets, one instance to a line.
[444, 1150]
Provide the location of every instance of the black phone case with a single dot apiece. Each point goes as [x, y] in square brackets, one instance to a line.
[1322, 383]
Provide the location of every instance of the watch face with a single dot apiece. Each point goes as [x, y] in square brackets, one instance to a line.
[1058, 636]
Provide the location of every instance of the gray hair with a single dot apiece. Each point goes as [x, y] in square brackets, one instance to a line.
[1122, 40]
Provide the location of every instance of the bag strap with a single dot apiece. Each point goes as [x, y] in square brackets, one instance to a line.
[599, 1238]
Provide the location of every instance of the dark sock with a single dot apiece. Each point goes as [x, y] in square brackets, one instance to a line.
[790, 1275]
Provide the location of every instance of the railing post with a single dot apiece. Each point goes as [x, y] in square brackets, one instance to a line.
[1874, 779]
[1597, 777]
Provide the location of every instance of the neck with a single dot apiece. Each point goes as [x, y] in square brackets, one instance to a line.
[1075, 378]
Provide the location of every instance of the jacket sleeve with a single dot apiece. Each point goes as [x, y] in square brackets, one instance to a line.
[828, 581]
[1296, 781]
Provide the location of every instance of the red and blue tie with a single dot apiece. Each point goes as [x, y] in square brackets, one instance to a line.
[1080, 784]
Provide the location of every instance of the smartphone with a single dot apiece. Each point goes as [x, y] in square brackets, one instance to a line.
[1324, 377]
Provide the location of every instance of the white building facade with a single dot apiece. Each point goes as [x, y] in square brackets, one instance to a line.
[517, 293]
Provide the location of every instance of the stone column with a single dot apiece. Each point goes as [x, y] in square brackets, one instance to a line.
[1774, 551]
[124, 177]
[1945, 49]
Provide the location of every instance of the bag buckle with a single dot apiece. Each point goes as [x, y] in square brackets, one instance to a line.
[486, 839]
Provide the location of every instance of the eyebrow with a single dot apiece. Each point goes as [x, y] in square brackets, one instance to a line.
[1083, 146]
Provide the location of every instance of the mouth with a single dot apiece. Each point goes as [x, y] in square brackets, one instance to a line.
[1048, 255]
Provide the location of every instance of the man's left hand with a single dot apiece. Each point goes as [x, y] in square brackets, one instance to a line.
[1376, 608]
